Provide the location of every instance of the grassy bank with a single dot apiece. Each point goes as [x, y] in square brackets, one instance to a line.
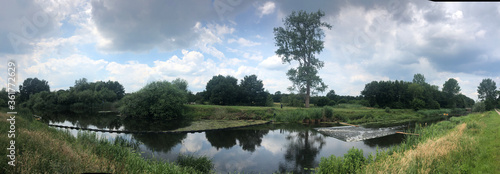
[462, 145]
[219, 124]
[41, 149]
[350, 113]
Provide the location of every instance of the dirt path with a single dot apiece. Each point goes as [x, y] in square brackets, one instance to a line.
[497, 111]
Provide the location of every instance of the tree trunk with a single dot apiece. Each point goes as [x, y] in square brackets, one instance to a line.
[308, 92]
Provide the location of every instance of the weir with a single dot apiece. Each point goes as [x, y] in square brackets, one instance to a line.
[353, 133]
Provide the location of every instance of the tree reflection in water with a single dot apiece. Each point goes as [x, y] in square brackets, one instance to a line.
[301, 151]
[248, 139]
[160, 142]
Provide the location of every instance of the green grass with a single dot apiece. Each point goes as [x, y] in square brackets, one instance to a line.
[41, 149]
[467, 144]
[219, 124]
[350, 113]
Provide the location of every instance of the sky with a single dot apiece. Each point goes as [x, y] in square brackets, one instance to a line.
[137, 42]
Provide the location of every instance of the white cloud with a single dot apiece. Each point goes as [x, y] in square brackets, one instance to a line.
[266, 8]
[243, 42]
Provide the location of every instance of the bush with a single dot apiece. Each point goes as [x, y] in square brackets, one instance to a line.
[387, 110]
[202, 164]
[328, 112]
[417, 104]
[158, 100]
[332, 103]
[323, 101]
[479, 107]
[315, 113]
[433, 104]
[351, 162]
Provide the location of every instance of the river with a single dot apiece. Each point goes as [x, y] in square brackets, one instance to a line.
[258, 149]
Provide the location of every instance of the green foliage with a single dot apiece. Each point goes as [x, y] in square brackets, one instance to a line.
[488, 93]
[328, 111]
[157, 100]
[32, 86]
[417, 104]
[332, 103]
[322, 101]
[331, 95]
[4, 97]
[252, 91]
[202, 164]
[315, 113]
[352, 161]
[479, 107]
[222, 90]
[451, 87]
[294, 45]
[419, 79]
[293, 100]
[387, 110]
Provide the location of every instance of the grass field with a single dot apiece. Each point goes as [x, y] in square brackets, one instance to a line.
[468, 144]
[350, 113]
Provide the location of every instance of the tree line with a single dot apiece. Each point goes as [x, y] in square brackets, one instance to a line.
[164, 99]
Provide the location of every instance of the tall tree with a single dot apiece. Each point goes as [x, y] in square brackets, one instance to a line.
[32, 86]
[487, 93]
[451, 87]
[419, 79]
[331, 95]
[300, 40]
[450, 90]
[222, 90]
[252, 91]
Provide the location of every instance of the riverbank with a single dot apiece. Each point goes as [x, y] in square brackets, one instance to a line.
[41, 149]
[461, 145]
[349, 113]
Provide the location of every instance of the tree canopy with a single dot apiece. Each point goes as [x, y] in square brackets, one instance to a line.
[156, 100]
[299, 40]
[32, 86]
[487, 92]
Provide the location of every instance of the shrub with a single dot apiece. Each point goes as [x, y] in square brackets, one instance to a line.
[323, 101]
[202, 164]
[315, 113]
[479, 107]
[158, 100]
[332, 103]
[328, 112]
[387, 110]
[351, 162]
[417, 104]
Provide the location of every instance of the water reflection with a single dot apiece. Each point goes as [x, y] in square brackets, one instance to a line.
[261, 149]
[301, 151]
[247, 139]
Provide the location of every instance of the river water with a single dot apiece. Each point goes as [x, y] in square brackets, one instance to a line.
[258, 149]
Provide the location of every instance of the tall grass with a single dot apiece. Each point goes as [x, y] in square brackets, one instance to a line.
[444, 147]
[40, 149]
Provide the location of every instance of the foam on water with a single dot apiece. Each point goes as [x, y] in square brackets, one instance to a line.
[351, 133]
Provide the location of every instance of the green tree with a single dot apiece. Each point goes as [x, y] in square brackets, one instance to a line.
[4, 97]
[487, 93]
[157, 100]
[331, 95]
[323, 101]
[32, 86]
[451, 90]
[300, 40]
[222, 90]
[252, 91]
[419, 79]
[277, 96]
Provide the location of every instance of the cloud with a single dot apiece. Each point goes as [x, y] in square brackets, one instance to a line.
[58, 71]
[266, 8]
[243, 42]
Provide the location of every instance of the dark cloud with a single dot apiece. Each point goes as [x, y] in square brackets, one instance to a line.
[24, 22]
[167, 25]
